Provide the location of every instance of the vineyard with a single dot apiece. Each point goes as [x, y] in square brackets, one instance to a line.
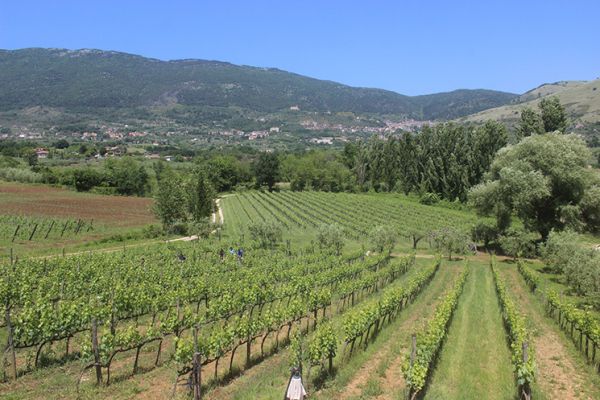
[176, 320]
[21, 228]
[302, 213]
[37, 219]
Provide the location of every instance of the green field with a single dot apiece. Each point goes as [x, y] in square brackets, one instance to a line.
[143, 298]
[302, 213]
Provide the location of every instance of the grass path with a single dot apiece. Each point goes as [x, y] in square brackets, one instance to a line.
[377, 372]
[562, 372]
[475, 361]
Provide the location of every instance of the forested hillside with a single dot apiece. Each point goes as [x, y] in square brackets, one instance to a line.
[78, 79]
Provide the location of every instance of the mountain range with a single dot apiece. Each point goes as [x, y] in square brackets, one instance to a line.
[61, 90]
[88, 78]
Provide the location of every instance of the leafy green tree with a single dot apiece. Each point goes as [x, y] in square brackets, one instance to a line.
[266, 234]
[266, 170]
[535, 179]
[451, 241]
[200, 196]
[553, 114]
[170, 200]
[415, 235]
[530, 124]
[383, 238]
[61, 144]
[317, 170]
[563, 253]
[31, 156]
[484, 232]
[159, 168]
[84, 179]
[582, 272]
[331, 237]
[225, 172]
[518, 243]
[349, 154]
[127, 176]
[559, 249]
[446, 159]
[590, 208]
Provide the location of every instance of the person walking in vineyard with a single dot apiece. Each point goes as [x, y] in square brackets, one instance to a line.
[295, 389]
[222, 254]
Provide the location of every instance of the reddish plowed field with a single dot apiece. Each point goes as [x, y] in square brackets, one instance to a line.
[16, 198]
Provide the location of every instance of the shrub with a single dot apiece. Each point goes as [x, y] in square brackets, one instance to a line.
[484, 232]
[518, 243]
[152, 231]
[179, 228]
[559, 249]
[86, 178]
[582, 272]
[20, 175]
[429, 198]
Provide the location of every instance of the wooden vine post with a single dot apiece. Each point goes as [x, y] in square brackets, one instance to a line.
[96, 351]
[196, 366]
[11, 344]
[15, 234]
[413, 356]
[33, 232]
[526, 387]
[49, 229]
[64, 228]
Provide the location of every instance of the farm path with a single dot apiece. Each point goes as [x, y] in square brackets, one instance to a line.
[384, 367]
[145, 243]
[560, 373]
[475, 360]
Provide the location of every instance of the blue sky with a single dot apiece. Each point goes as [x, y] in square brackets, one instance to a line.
[411, 47]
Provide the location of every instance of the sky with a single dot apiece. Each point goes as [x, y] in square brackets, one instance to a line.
[411, 47]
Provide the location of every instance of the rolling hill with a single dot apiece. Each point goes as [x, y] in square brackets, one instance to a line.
[580, 98]
[95, 79]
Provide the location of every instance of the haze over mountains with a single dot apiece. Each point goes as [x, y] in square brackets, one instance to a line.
[96, 79]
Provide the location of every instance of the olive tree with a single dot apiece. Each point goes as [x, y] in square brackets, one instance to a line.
[518, 243]
[450, 240]
[266, 234]
[383, 238]
[559, 249]
[536, 179]
[484, 232]
[331, 237]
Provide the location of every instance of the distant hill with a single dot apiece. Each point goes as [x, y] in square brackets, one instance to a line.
[95, 79]
[580, 98]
